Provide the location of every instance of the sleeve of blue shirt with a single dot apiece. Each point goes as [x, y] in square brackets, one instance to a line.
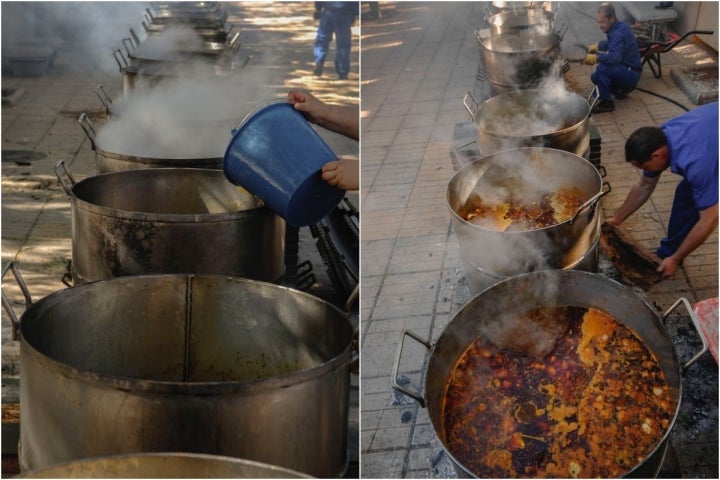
[614, 48]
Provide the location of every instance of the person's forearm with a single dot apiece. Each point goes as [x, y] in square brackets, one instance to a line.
[343, 120]
[639, 194]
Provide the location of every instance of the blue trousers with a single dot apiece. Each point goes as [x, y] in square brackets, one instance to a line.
[683, 217]
[336, 22]
[610, 77]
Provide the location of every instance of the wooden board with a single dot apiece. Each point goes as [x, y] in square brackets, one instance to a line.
[635, 263]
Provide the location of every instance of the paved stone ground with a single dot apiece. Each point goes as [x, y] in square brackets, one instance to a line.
[36, 233]
[418, 61]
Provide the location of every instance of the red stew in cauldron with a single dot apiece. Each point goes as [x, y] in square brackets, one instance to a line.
[593, 404]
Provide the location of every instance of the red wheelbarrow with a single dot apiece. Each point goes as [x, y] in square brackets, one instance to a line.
[650, 50]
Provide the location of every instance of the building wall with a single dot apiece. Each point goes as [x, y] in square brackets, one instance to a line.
[698, 16]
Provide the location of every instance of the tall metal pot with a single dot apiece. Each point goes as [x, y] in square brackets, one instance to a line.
[521, 59]
[184, 363]
[127, 155]
[533, 118]
[507, 300]
[534, 171]
[170, 220]
[534, 17]
[163, 465]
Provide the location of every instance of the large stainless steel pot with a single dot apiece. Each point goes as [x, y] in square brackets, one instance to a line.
[163, 465]
[533, 118]
[520, 60]
[184, 363]
[534, 18]
[180, 47]
[168, 220]
[534, 172]
[152, 73]
[120, 152]
[510, 298]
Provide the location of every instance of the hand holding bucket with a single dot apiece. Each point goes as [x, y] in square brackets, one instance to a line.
[277, 155]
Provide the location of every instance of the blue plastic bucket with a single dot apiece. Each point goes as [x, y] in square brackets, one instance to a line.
[277, 155]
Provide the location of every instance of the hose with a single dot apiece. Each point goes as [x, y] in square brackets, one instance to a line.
[663, 97]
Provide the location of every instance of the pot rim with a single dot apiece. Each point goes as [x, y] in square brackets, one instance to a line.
[456, 217]
[193, 218]
[341, 361]
[660, 443]
[533, 92]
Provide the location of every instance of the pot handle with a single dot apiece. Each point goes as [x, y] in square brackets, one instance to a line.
[145, 26]
[696, 324]
[593, 97]
[61, 164]
[472, 109]
[127, 43]
[234, 45]
[104, 97]
[88, 128]
[135, 37]
[488, 13]
[6, 302]
[394, 383]
[591, 202]
[117, 52]
[562, 31]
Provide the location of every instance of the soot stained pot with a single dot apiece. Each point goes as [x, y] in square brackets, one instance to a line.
[184, 363]
[521, 59]
[534, 172]
[163, 465]
[171, 220]
[533, 118]
[123, 149]
[510, 299]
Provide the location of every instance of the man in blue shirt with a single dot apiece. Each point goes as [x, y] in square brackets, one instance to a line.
[617, 58]
[688, 145]
[335, 18]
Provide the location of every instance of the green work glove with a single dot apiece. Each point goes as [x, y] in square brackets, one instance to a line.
[590, 59]
[593, 48]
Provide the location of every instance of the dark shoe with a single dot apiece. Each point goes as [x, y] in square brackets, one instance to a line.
[604, 106]
[342, 76]
[620, 93]
[318, 70]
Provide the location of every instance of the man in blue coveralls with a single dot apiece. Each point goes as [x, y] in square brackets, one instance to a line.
[617, 58]
[335, 18]
[688, 144]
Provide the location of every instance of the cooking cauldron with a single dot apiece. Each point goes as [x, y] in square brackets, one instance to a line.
[489, 254]
[163, 465]
[121, 149]
[170, 220]
[512, 297]
[521, 59]
[533, 118]
[184, 363]
[530, 18]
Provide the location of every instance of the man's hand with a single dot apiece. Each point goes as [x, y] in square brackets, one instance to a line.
[668, 267]
[590, 59]
[344, 173]
[593, 48]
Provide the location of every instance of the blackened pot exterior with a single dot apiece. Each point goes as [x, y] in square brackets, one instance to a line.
[172, 220]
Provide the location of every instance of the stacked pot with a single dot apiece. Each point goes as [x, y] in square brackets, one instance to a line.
[519, 48]
[176, 336]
